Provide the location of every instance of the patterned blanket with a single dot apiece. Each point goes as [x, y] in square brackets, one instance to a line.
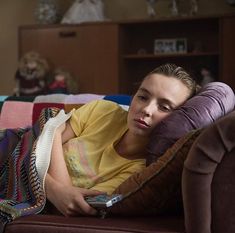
[25, 144]
[28, 108]
[24, 160]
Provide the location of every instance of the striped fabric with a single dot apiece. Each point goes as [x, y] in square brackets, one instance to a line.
[21, 189]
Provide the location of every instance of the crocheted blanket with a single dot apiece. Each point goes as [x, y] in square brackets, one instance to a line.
[28, 108]
[24, 160]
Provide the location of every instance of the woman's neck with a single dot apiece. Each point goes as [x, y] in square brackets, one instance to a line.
[132, 146]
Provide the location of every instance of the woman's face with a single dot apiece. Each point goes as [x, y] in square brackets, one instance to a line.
[156, 98]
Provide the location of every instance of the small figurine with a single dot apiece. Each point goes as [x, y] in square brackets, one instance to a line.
[194, 7]
[174, 8]
[31, 75]
[206, 76]
[151, 8]
[62, 82]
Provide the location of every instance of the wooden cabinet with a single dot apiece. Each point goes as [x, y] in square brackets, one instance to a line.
[113, 57]
[89, 52]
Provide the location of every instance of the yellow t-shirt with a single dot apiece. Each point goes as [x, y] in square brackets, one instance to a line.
[91, 159]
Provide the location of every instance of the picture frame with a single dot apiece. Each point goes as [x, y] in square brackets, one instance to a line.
[169, 46]
[181, 45]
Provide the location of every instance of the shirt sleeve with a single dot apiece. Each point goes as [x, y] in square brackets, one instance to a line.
[89, 113]
[80, 117]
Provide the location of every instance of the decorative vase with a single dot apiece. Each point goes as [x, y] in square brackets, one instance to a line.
[46, 12]
[174, 8]
[193, 7]
[151, 8]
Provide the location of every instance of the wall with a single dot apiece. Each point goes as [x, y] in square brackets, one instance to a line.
[126, 9]
[14, 13]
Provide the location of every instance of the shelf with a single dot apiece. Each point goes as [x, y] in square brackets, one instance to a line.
[128, 48]
[169, 55]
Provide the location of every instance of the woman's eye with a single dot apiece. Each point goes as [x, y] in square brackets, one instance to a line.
[141, 97]
[165, 108]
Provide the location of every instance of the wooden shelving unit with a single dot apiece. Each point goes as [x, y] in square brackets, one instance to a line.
[111, 57]
[153, 56]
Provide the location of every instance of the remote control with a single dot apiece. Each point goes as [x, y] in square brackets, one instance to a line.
[103, 200]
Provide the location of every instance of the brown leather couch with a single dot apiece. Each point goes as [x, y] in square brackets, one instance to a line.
[208, 187]
[60, 224]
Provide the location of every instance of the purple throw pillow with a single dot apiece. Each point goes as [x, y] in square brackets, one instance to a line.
[213, 101]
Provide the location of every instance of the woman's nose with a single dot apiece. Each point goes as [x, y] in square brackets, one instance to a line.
[148, 109]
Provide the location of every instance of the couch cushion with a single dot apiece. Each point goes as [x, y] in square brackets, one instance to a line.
[60, 224]
[157, 189]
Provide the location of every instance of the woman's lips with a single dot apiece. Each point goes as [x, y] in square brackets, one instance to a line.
[141, 123]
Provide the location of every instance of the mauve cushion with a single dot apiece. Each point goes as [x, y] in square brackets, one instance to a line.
[213, 101]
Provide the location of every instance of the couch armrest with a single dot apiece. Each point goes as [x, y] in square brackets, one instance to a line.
[208, 183]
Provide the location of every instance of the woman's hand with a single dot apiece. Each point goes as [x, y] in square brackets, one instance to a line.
[69, 200]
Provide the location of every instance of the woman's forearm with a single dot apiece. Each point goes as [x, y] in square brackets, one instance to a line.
[50, 186]
[58, 169]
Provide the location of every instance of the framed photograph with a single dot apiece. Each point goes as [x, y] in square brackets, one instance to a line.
[164, 46]
[181, 45]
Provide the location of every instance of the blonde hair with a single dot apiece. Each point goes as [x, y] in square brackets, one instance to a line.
[172, 70]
